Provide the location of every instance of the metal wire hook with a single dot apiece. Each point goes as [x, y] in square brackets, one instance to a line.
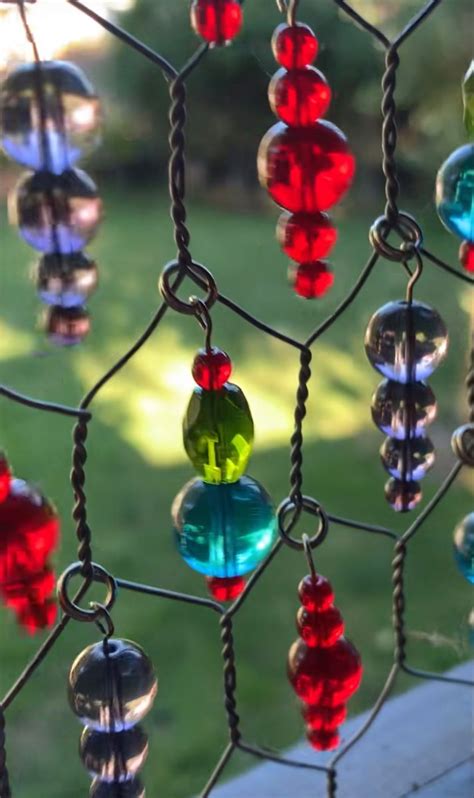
[414, 253]
[309, 556]
[204, 318]
[102, 610]
[290, 8]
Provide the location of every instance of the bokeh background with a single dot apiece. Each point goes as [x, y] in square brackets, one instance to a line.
[136, 462]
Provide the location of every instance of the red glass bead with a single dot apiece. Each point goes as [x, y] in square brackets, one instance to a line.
[306, 237]
[225, 589]
[294, 46]
[217, 21]
[212, 369]
[305, 169]
[324, 718]
[299, 97]
[35, 617]
[34, 589]
[5, 477]
[315, 595]
[323, 740]
[466, 256]
[324, 676]
[320, 628]
[311, 280]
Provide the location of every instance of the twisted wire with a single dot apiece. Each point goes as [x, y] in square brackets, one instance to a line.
[389, 135]
[398, 602]
[332, 783]
[79, 513]
[296, 456]
[177, 183]
[5, 791]
[470, 382]
[230, 678]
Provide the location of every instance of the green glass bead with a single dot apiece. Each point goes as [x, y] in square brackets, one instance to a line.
[218, 433]
[468, 98]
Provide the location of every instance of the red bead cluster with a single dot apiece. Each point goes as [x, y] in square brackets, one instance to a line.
[217, 21]
[466, 256]
[29, 532]
[303, 162]
[324, 668]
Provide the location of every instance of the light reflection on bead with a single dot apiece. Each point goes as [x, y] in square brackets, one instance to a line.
[294, 46]
[408, 460]
[127, 789]
[299, 97]
[306, 238]
[114, 757]
[389, 403]
[66, 326]
[455, 193]
[464, 547]
[66, 280]
[402, 496]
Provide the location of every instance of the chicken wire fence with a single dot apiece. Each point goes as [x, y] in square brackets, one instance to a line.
[411, 251]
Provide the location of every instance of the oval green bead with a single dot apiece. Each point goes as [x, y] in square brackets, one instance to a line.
[218, 433]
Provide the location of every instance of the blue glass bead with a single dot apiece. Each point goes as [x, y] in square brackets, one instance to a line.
[455, 193]
[391, 401]
[60, 93]
[388, 335]
[114, 756]
[409, 460]
[464, 547]
[224, 530]
[66, 280]
[115, 789]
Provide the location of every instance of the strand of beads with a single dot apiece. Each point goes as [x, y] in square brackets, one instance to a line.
[29, 533]
[224, 521]
[50, 118]
[112, 686]
[304, 163]
[217, 21]
[324, 668]
[455, 185]
[405, 341]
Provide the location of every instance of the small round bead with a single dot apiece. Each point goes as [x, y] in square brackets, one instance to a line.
[387, 341]
[327, 718]
[454, 192]
[5, 477]
[315, 596]
[466, 256]
[324, 676]
[66, 326]
[66, 280]
[392, 400]
[56, 213]
[294, 46]
[306, 237]
[408, 460]
[225, 589]
[129, 789]
[112, 685]
[464, 547]
[212, 369]
[114, 757]
[311, 280]
[403, 496]
[323, 740]
[36, 617]
[299, 97]
[35, 588]
[217, 21]
[320, 628]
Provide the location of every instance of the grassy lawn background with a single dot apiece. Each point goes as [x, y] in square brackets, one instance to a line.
[136, 466]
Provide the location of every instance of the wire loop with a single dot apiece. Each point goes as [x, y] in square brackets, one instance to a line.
[409, 230]
[289, 508]
[73, 610]
[102, 609]
[200, 276]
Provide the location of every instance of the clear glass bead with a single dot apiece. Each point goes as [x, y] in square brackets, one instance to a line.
[408, 460]
[455, 193]
[391, 401]
[66, 280]
[464, 547]
[125, 789]
[112, 685]
[56, 214]
[66, 326]
[396, 325]
[50, 116]
[403, 496]
[114, 756]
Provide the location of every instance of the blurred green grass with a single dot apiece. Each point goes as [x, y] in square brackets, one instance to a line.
[136, 466]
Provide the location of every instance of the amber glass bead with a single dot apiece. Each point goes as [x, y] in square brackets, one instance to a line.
[315, 595]
[466, 256]
[324, 676]
[305, 169]
[218, 433]
[294, 46]
[66, 326]
[225, 589]
[5, 477]
[306, 237]
[311, 280]
[211, 368]
[217, 21]
[299, 97]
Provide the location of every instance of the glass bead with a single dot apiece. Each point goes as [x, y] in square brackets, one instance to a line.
[60, 92]
[294, 46]
[464, 547]
[392, 400]
[468, 100]
[320, 628]
[315, 595]
[66, 280]
[212, 369]
[218, 433]
[5, 477]
[466, 256]
[324, 676]
[455, 193]
[67, 326]
[31, 598]
[408, 460]
[306, 237]
[305, 169]
[112, 685]
[224, 530]
[35, 618]
[386, 341]
[225, 589]
[217, 21]
[299, 97]
[311, 280]
[56, 213]
[403, 496]
[322, 740]
[126, 789]
[114, 757]
[324, 718]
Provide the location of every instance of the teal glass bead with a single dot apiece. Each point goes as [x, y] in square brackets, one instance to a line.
[455, 193]
[218, 433]
[224, 530]
[464, 547]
